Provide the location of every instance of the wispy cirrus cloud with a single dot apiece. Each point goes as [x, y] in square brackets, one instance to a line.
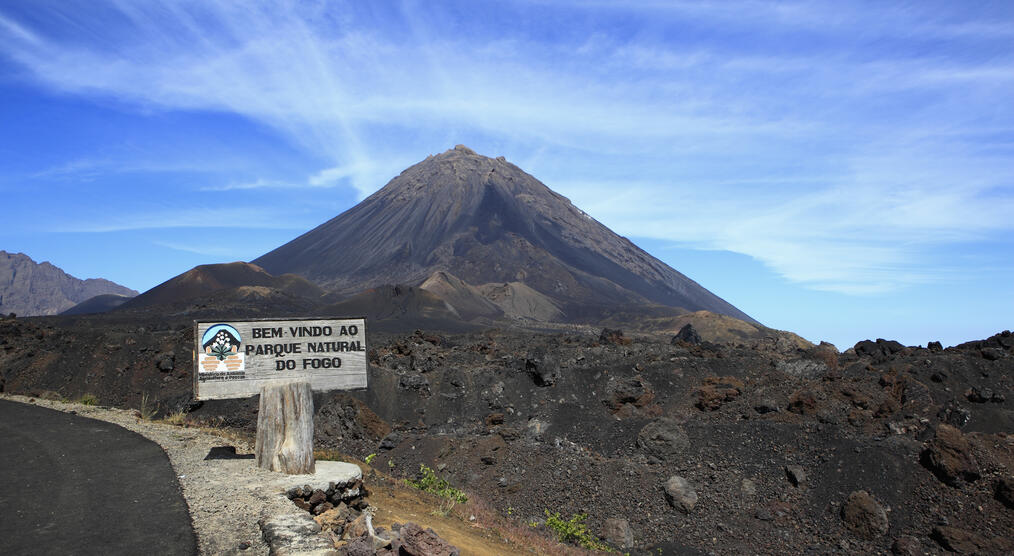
[842, 145]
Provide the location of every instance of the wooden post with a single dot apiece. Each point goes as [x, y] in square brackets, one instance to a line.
[285, 428]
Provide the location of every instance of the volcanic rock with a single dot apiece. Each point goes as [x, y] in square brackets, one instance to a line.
[906, 546]
[796, 474]
[963, 541]
[949, 456]
[688, 335]
[663, 438]
[413, 540]
[616, 531]
[1005, 491]
[680, 494]
[864, 515]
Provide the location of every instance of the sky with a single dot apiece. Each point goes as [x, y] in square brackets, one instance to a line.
[843, 170]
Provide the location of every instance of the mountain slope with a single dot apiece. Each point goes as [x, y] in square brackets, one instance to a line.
[487, 221]
[28, 288]
[98, 304]
[205, 280]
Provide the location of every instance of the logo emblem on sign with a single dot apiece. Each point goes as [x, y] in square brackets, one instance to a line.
[221, 344]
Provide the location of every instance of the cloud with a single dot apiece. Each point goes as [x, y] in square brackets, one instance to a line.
[835, 143]
[191, 217]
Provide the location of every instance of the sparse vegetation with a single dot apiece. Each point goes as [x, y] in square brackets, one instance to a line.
[88, 399]
[446, 507]
[147, 409]
[176, 418]
[429, 482]
[369, 458]
[574, 531]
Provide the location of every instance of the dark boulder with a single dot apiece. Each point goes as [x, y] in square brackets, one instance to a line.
[687, 335]
[613, 336]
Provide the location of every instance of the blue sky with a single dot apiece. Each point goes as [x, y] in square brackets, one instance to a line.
[844, 170]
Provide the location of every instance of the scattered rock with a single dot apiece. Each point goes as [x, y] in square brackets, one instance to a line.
[414, 381]
[613, 336]
[766, 405]
[795, 474]
[616, 531]
[802, 368]
[360, 546]
[803, 402]
[1005, 491]
[634, 391]
[716, 391]
[166, 362]
[969, 542]
[687, 335]
[543, 368]
[390, 441]
[906, 546]
[413, 540]
[864, 515]
[984, 395]
[949, 456]
[748, 487]
[663, 438]
[934, 346]
[680, 494]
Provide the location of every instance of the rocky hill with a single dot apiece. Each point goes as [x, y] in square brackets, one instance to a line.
[488, 222]
[30, 288]
[237, 280]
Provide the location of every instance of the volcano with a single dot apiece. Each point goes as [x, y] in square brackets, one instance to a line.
[488, 223]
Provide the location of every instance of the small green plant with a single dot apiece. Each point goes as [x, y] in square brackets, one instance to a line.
[88, 399]
[429, 482]
[147, 409]
[390, 464]
[369, 458]
[574, 531]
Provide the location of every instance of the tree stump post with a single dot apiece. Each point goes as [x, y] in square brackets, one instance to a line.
[285, 428]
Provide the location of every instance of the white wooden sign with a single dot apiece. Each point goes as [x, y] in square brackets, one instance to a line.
[234, 359]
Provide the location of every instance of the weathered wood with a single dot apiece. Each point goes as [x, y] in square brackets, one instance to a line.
[285, 428]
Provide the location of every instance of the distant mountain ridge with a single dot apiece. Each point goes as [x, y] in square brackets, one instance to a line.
[28, 288]
[487, 222]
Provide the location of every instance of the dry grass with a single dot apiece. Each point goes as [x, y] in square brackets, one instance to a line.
[176, 418]
[147, 409]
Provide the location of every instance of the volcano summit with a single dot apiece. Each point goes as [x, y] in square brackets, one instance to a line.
[486, 222]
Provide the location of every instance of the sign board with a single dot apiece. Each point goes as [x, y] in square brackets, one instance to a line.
[234, 359]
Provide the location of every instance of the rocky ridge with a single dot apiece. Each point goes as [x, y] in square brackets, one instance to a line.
[29, 288]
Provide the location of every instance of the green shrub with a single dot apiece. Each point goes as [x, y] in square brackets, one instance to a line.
[429, 482]
[369, 458]
[89, 399]
[574, 531]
